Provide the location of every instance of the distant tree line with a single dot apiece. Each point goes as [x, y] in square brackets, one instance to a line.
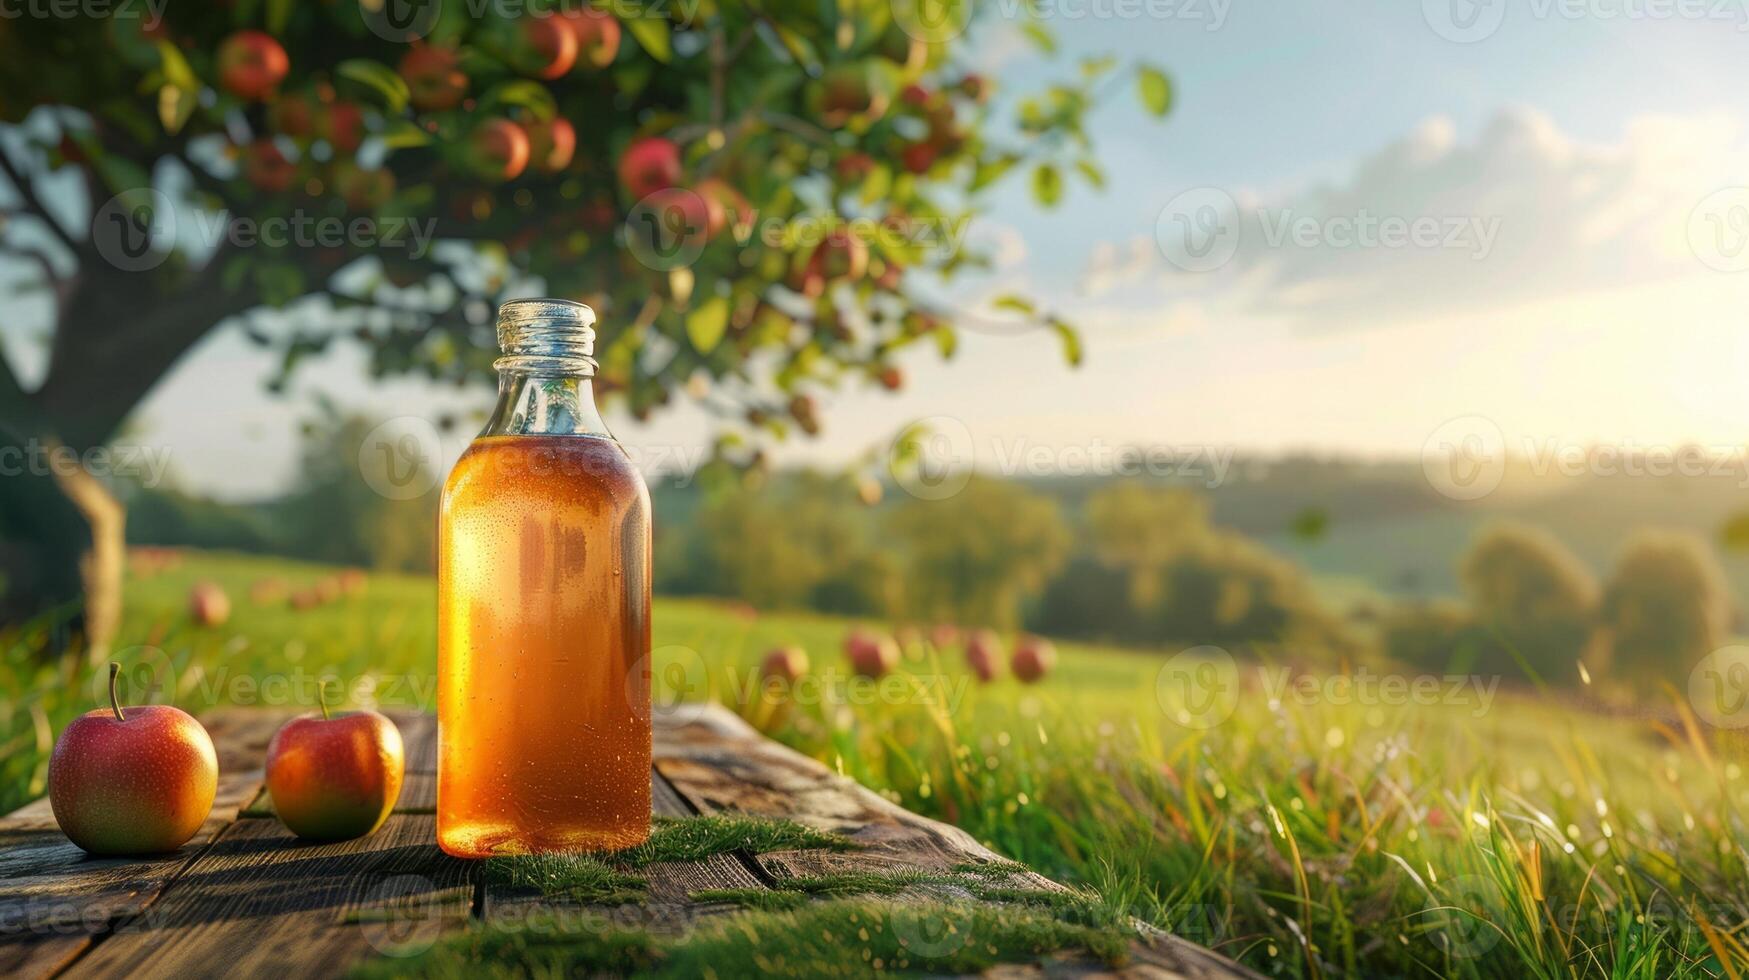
[1532, 609]
[1132, 562]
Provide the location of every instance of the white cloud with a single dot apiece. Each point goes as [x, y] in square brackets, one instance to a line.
[1431, 225]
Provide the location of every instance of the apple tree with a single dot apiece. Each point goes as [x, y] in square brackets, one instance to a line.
[751, 196]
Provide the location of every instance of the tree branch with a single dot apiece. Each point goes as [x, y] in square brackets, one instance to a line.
[27, 192]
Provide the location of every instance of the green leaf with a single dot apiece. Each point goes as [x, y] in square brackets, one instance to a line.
[946, 341]
[278, 12]
[1047, 185]
[401, 134]
[1091, 171]
[1041, 37]
[877, 185]
[1018, 304]
[1155, 90]
[524, 93]
[706, 323]
[175, 67]
[175, 105]
[991, 171]
[653, 36]
[379, 78]
[1072, 350]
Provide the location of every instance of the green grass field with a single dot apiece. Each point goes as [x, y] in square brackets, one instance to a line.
[1311, 829]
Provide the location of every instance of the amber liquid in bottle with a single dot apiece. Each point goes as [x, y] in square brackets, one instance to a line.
[543, 627]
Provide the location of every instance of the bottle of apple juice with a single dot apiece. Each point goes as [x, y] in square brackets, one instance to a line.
[543, 611]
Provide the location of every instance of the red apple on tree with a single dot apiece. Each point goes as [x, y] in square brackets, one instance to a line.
[251, 64]
[342, 125]
[335, 776]
[547, 48]
[498, 150]
[597, 36]
[293, 115]
[139, 781]
[434, 77]
[871, 654]
[726, 207]
[362, 189]
[265, 166]
[551, 143]
[649, 165]
[787, 664]
[1034, 657]
[208, 604]
[984, 654]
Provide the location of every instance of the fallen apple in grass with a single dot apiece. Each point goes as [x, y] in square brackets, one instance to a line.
[335, 776]
[984, 654]
[1034, 657]
[139, 781]
[871, 654]
[787, 664]
[208, 604]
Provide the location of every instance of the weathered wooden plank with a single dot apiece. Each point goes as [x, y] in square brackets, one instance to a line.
[260, 900]
[717, 762]
[54, 897]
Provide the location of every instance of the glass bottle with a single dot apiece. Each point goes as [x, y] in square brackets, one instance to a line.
[543, 611]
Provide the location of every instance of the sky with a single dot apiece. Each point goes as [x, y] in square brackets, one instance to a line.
[1359, 222]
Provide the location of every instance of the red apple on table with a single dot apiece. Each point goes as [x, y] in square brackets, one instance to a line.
[208, 604]
[1034, 657]
[251, 65]
[335, 776]
[984, 654]
[787, 664]
[139, 781]
[871, 654]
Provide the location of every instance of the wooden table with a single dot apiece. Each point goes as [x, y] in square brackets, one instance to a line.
[245, 897]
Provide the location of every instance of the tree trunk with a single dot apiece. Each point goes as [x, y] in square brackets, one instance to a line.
[62, 541]
[62, 550]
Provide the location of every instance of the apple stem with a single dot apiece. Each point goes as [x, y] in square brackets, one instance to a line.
[322, 699]
[115, 702]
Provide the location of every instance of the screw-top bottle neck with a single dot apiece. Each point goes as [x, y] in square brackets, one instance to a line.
[543, 377]
[547, 337]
